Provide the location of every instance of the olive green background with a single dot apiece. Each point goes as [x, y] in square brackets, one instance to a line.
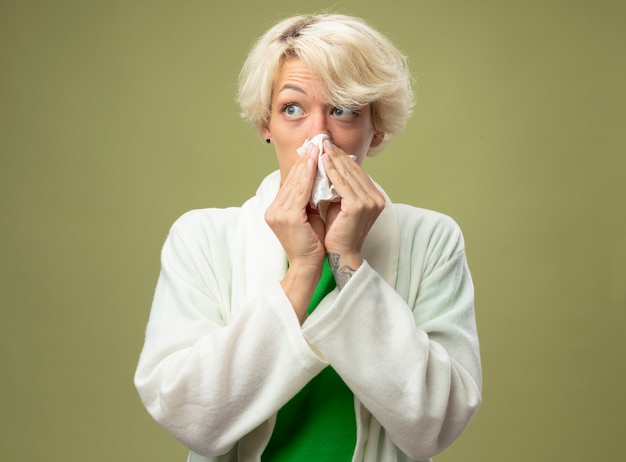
[117, 116]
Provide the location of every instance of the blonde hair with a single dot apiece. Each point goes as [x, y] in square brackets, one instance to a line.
[354, 64]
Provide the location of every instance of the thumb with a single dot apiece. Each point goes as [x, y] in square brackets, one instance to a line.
[316, 222]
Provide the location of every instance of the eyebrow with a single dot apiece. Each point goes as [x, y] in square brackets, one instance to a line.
[289, 86]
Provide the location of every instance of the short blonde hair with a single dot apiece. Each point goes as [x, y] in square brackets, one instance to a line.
[355, 65]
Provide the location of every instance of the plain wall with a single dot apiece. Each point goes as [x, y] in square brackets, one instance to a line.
[117, 116]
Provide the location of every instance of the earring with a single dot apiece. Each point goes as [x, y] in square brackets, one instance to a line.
[268, 141]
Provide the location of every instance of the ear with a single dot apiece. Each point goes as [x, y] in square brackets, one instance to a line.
[266, 132]
[377, 139]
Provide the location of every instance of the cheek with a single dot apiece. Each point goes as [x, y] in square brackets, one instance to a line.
[355, 145]
[356, 139]
[286, 156]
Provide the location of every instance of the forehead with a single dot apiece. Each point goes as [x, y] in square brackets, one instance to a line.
[295, 75]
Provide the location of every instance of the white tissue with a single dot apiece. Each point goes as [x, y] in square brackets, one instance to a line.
[323, 192]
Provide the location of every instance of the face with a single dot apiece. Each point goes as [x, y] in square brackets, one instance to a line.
[298, 114]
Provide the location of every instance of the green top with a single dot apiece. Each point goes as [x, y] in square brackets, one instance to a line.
[318, 424]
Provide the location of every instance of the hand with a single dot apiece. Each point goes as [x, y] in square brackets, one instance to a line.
[349, 221]
[300, 232]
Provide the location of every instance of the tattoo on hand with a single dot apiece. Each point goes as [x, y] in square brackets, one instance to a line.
[343, 274]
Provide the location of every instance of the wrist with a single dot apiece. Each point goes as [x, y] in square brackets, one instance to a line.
[343, 266]
[299, 285]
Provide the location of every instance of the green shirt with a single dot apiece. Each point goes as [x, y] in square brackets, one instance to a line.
[318, 424]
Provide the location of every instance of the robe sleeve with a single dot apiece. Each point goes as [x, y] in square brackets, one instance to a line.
[410, 358]
[206, 377]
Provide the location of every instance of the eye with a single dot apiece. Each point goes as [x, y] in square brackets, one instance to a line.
[292, 110]
[344, 112]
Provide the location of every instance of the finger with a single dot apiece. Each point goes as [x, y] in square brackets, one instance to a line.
[342, 179]
[345, 171]
[358, 192]
[296, 188]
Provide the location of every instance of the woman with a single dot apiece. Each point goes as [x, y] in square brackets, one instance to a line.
[251, 352]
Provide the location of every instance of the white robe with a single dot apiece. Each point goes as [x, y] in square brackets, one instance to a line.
[224, 349]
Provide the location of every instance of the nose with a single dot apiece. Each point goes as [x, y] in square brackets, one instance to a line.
[319, 124]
